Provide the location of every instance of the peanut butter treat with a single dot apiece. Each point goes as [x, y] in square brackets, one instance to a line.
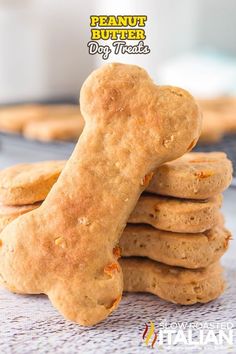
[176, 215]
[14, 118]
[28, 183]
[9, 213]
[195, 175]
[206, 215]
[67, 128]
[176, 249]
[179, 249]
[174, 284]
[132, 127]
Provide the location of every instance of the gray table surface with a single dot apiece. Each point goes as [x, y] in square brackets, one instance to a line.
[29, 324]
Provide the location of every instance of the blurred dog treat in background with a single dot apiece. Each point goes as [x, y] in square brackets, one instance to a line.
[219, 118]
[66, 128]
[42, 122]
[64, 122]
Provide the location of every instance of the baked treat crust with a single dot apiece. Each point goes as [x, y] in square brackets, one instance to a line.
[28, 183]
[132, 127]
[174, 284]
[195, 175]
[176, 215]
[176, 249]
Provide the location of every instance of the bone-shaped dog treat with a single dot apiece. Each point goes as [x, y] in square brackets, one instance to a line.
[174, 284]
[176, 215]
[28, 183]
[176, 249]
[67, 247]
[196, 175]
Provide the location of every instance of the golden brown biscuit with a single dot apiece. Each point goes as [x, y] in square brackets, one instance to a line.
[176, 215]
[177, 249]
[132, 127]
[196, 175]
[193, 176]
[169, 214]
[14, 118]
[28, 183]
[68, 128]
[174, 284]
[183, 215]
[9, 213]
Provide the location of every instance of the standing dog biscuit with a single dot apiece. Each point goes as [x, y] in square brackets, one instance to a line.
[66, 247]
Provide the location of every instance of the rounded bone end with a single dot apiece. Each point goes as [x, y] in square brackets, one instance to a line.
[90, 304]
[162, 121]
[107, 91]
[181, 120]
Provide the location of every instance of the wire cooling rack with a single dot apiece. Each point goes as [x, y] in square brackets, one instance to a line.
[15, 149]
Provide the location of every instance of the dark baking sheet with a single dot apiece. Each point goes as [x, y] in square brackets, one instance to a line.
[15, 149]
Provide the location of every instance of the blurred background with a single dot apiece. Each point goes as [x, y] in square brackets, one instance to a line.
[44, 45]
[44, 59]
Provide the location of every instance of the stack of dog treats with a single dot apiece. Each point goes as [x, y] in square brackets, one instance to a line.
[175, 236]
[42, 122]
